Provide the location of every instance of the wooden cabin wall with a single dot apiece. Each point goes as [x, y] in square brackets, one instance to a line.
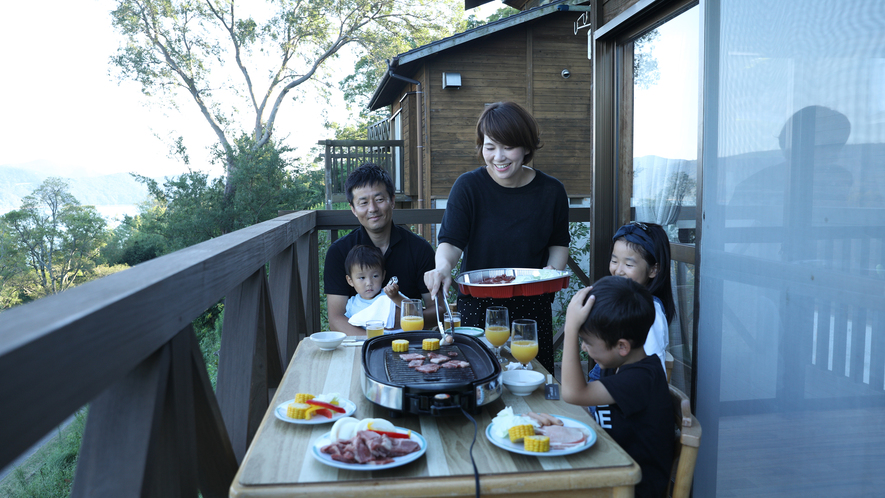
[611, 8]
[522, 64]
[563, 106]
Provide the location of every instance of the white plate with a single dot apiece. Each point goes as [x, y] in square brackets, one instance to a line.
[349, 408]
[504, 442]
[326, 439]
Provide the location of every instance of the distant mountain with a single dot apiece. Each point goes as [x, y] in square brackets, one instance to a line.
[112, 194]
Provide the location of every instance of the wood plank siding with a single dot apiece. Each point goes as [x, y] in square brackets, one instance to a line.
[523, 64]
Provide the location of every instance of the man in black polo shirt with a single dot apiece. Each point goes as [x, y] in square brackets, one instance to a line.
[406, 255]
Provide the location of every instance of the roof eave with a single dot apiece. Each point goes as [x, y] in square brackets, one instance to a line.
[381, 97]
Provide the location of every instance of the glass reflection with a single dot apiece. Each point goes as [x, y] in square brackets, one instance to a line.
[665, 125]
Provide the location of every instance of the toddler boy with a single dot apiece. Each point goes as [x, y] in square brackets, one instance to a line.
[364, 266]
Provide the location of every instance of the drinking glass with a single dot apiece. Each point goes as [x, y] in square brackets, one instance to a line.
[497, 328]
[412, 317]
[452, 317]
[524, 341]
[374, 328]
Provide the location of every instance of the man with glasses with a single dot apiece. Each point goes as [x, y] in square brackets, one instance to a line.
[407, 256]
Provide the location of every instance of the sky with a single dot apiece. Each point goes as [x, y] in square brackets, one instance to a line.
[59, 104]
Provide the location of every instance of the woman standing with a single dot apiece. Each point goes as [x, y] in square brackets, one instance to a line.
[504, 215]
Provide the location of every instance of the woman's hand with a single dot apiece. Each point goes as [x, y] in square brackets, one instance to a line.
[440, 278]
[437, 280]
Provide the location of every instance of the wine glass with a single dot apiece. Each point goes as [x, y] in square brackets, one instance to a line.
[497, 328]
[524, 341]
[412, 317]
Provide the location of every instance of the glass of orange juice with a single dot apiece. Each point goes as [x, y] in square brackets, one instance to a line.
[374, 328]
[497, 328]
[524, 341]
[412, 317]
[452, 318]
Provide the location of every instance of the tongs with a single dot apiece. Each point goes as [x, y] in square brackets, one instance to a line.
[448, 311]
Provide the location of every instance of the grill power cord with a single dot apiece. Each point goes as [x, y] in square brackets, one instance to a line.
[475, 430]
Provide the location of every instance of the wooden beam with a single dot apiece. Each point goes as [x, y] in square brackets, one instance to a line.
[216, 462]
[51, 345]
[249, 363]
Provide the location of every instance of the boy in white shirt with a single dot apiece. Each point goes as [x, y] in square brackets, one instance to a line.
[365, 273]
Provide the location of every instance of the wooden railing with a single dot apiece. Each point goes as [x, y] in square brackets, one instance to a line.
[124, 345]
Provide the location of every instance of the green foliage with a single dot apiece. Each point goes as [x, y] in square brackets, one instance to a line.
[645, 65]
[191, 208]
[54, 237]
[183, 49]
[49, 473]
[265, 182]
[207, 328]
[579, 250]
[431, 21]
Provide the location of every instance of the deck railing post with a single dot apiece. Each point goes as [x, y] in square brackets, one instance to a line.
[249, 360]
[287, 302]
[155, 432]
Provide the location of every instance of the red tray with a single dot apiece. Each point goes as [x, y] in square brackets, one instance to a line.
[526, 282]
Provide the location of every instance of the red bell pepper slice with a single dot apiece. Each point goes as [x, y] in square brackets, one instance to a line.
[324, 412]
[394, 435]
[323, 404]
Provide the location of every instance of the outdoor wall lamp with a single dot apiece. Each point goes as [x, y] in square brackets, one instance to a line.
[451, 80]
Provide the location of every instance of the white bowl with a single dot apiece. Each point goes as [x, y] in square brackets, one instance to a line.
[327, 341]
[522, 382]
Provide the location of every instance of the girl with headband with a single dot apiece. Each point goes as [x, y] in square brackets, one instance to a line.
[641, 252]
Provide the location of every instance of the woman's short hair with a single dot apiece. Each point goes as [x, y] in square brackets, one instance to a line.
[509, 124]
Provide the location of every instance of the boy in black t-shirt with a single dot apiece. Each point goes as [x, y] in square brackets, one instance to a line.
[632, 397]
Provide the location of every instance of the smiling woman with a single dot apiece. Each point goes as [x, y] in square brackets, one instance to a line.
[494, 218]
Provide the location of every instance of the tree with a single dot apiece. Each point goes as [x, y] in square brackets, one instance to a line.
[187, 46]
[56, 237]
[191, 208]
[645, 65]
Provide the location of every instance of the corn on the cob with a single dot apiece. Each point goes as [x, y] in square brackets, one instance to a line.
[537, 444]
[517, 432]
[299, 411]
[430, 344]
[400, 346]
[303, 397]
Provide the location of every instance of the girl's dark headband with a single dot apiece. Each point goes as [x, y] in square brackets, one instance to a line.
[637, 233]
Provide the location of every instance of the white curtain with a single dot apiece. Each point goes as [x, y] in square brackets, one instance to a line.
[660, 186]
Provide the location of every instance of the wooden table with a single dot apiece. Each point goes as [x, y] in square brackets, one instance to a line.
[279, 463]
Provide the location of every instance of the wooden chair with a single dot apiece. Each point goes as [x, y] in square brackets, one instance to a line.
[688, 440]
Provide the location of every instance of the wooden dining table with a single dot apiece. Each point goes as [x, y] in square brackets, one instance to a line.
[279, 462]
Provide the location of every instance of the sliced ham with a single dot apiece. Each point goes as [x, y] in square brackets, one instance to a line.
[562, 437]
[439, 359]
[416, 363]
[412, 356]
[452, 353]
[429, 368]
